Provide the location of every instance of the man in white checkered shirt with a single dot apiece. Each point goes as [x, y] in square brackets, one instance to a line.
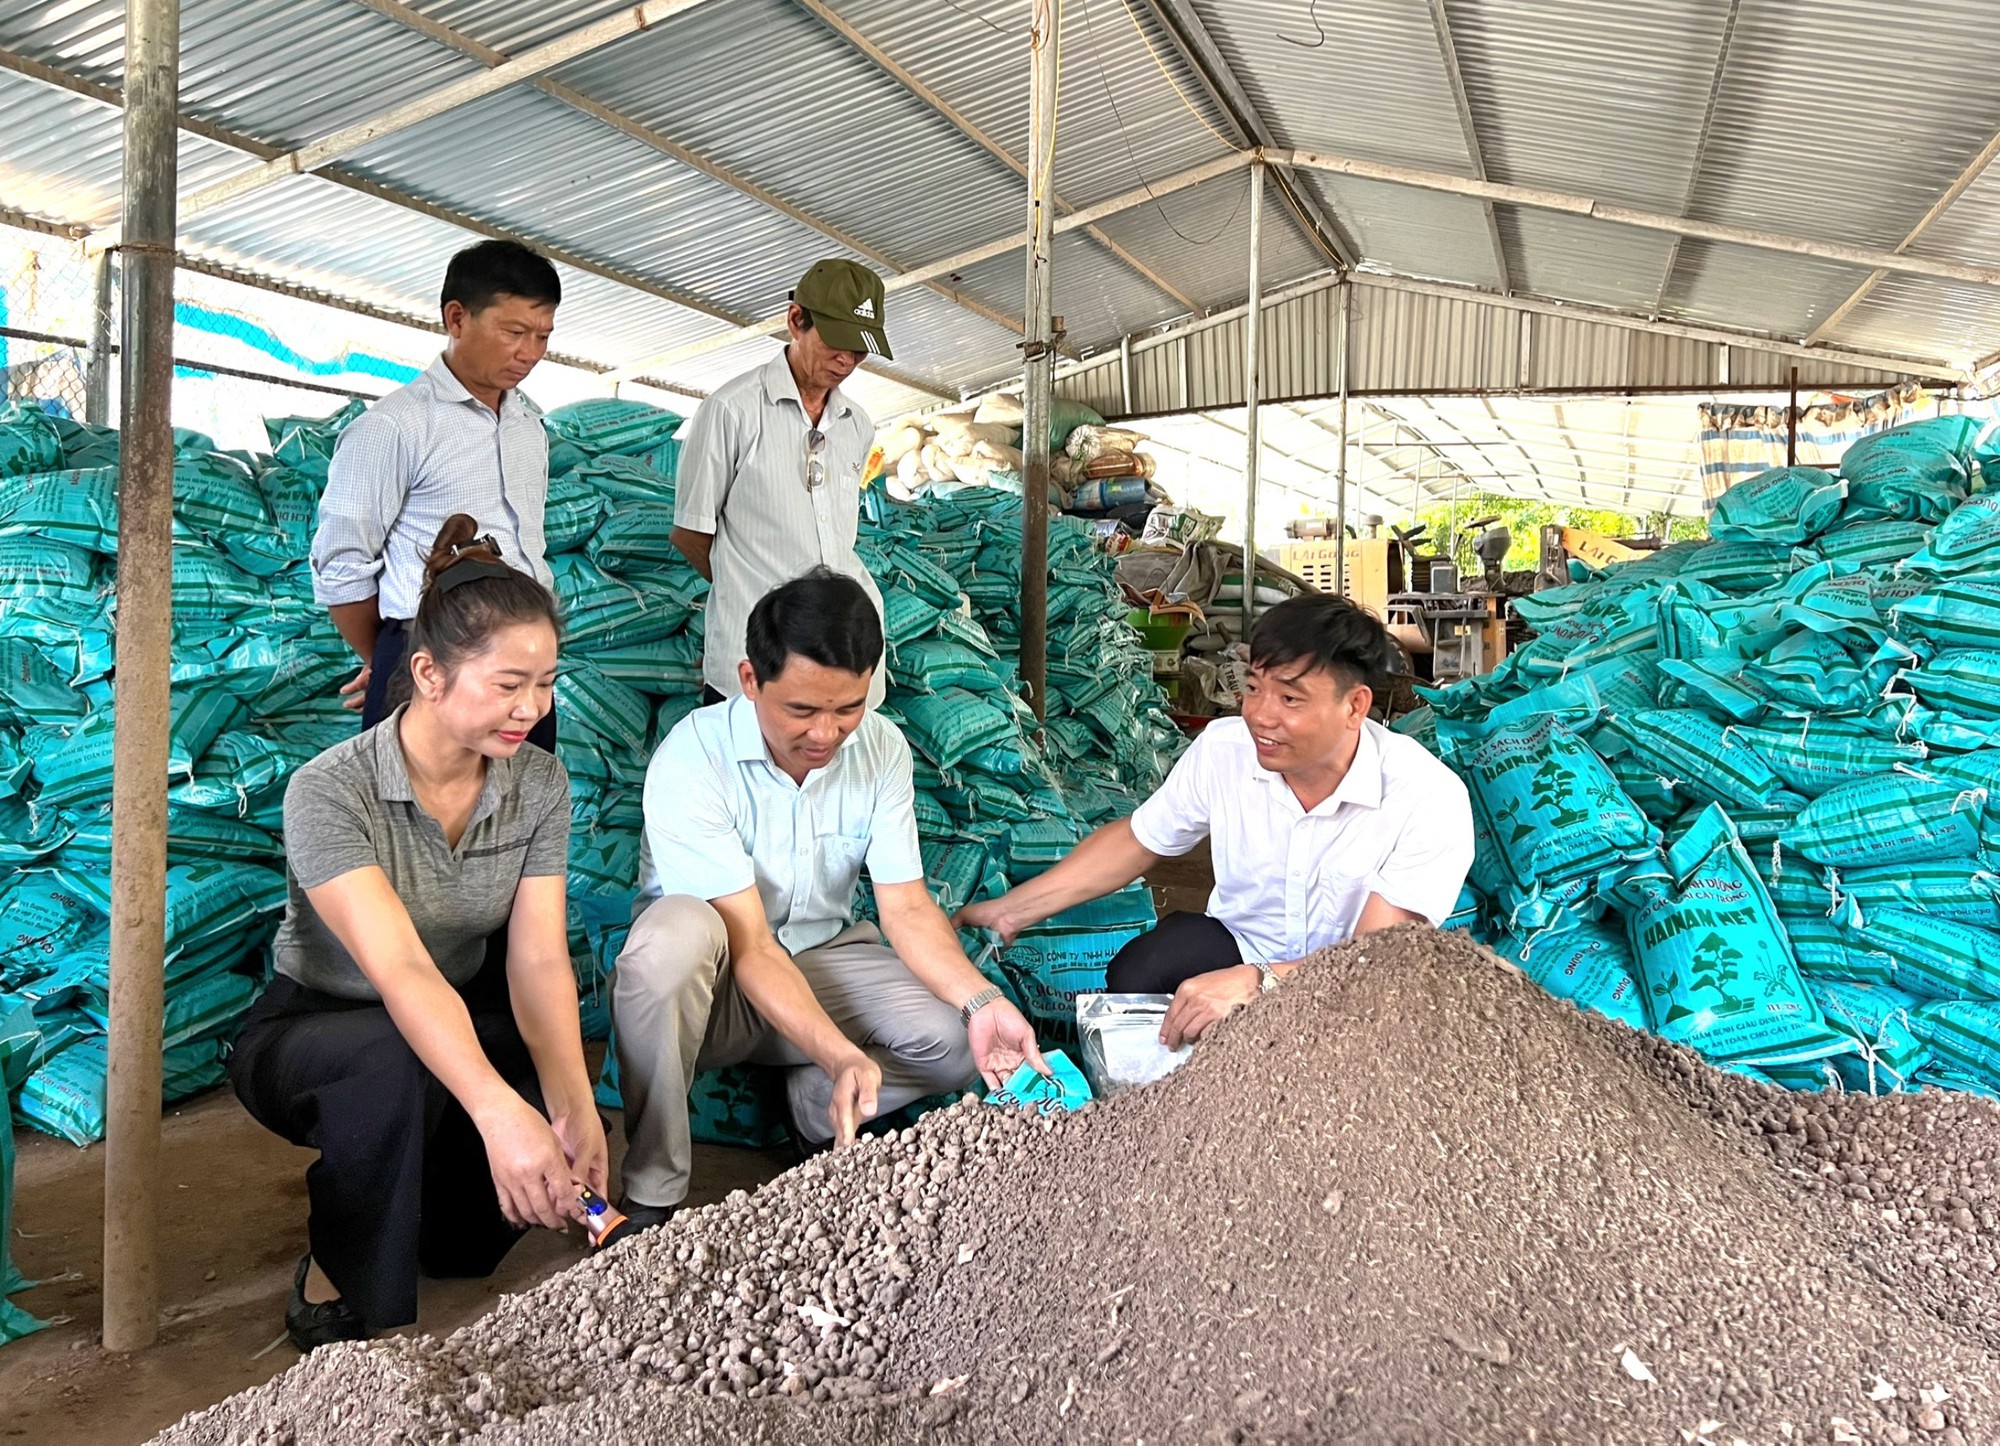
[460, 438]
[769, 485]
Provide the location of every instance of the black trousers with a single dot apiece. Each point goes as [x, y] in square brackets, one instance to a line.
[1169, 954]
[391, 644]
[401, 1183]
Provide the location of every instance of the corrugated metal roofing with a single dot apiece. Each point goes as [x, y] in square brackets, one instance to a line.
[1821, 121]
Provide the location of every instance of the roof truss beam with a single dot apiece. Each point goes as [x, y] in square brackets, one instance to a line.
[1972, 172]
[902, 74]
[628, 21]
[1203, 57]
[486, 55]
[1700, 147]
[1568, 203]
[348, 180]
[1448, 52]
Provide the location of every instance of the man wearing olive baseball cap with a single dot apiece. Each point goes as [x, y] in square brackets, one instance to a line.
[769, 485]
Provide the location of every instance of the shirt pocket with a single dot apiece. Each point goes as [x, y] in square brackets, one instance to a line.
[840, 859]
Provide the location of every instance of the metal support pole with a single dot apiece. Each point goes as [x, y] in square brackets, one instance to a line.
[1038, 352]
[1340, 474]
[145, 638]
[1792, 424]
[1253, 379]
[97, 382]
[1125, 372]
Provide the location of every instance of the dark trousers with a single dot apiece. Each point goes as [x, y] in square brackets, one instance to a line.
[387, 667]
[401, 1183]
[1169, 954]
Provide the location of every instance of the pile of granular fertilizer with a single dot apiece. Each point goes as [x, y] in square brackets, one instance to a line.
[1409, 1197]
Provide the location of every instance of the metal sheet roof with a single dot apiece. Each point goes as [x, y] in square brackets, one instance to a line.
[1822, 122]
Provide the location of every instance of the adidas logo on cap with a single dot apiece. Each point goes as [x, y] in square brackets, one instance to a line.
[866, 310]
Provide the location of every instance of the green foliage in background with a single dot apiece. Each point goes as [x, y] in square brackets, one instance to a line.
[1526, 519]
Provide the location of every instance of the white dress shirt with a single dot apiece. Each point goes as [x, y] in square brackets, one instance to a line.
[742, 478]
[721, 816]
[1287, 881]
[426, 450]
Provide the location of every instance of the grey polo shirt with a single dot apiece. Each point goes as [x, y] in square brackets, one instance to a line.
[352, 808]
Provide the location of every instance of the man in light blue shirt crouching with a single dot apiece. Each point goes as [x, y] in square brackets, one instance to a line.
[760, 813]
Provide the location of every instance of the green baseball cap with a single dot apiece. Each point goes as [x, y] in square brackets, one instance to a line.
[845, 300]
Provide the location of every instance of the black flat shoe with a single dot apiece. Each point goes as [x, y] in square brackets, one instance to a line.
[312, 1326]
[637, 1218]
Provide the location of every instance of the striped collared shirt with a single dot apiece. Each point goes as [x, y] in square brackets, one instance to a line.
[423, 452]
[721, 816]
[743, 478]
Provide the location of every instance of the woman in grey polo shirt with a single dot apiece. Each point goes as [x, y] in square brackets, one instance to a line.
[446, 1095]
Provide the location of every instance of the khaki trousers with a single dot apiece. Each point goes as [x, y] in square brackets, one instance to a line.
[678, 1012]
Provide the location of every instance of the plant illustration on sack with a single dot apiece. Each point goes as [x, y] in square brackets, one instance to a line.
[1554, 788]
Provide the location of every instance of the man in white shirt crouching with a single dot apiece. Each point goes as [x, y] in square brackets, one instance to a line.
[1324, 825]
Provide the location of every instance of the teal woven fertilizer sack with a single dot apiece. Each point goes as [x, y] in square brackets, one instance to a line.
[308, 442]
[1824, 951]
[50, 579]
[1717, 687]
[19, 1037]
[1816, 672]
[601, 425]
[1738, 568]
[194, 835]
[1964, 890]
[604, 705]
[1893, 818]
[77, 767]
[1650, 790]
[234, 768]
[79, 508]
[657, 668]
[930, 665]
[31, 690]
[1554, 810]
[217, 495]
[1631, 626]
[1953, 614]
[1714, 959]
[65, 1097]
[598, 608]
[1065, 956]
[29, 440]
[1589, 964]
[1815, 756]
[292, 500]
[637, 537]
[1968, 541]
[1786, 504]
[1879, 1019]
[573, 512]
[1965, 1037]
[209, 590]
[625, 479]
[1873, 544]
[1699, 756]
[1959, 680]
[28, 834]
[86, 445]
[1916, 472]
[952, 723]
[1934, 957]
[907, 617]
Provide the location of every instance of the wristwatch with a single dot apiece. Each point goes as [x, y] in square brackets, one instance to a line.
[1267, 978]
[978, 1002]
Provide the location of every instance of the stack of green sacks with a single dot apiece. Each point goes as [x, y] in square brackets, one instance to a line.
[257, 668]
[1745, 793]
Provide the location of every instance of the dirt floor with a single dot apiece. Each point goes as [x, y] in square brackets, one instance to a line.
[232, 1229]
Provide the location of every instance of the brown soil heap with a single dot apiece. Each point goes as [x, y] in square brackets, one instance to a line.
[1407, 1198]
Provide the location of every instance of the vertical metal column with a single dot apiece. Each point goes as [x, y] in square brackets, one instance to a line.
[1340, 483]
[1253, 377]
[145, 637]
[1038, 351]
[1792, 423]
[97, 381]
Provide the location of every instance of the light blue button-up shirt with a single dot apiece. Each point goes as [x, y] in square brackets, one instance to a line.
[421, 453]
[721, 816]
